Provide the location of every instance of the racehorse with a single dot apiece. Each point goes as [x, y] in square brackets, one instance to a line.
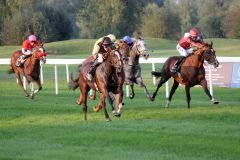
[30, 69]
[190, 74]
[106, 80]
[132, 67]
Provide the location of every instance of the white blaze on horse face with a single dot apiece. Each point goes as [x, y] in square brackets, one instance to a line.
[119, 57]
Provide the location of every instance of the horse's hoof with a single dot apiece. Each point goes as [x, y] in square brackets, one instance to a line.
[96, 109]
[92, 97]
[108, 120]
[117, 115]
[131, 96]
[77, 102]
[215, 102]
[150, 98]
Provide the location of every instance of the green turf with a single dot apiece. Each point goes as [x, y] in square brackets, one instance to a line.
[82, 48]
[52, 127]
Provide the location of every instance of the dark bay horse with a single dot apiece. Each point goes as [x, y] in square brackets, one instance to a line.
[190, 74]
[30, 69]
[132, 67]
[106, 80]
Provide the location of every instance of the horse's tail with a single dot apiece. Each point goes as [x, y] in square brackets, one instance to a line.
[73, 83]
[11, 70]
[156, 74]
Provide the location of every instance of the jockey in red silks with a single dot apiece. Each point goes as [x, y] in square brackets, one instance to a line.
[184, 47]
[27, 48]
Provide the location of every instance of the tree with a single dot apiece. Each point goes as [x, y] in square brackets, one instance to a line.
[231, 23]
[160, 22]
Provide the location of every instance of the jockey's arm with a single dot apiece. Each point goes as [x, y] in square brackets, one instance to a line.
[197, 44]
[26, 52]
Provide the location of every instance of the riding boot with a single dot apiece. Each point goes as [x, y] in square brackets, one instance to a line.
[176, 65]
[21, 60]
[92, 70]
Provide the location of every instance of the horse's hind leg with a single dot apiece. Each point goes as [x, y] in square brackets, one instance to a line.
[132, 95]
[142, 85]
[160, 83]
[188, 96]
[174, 87]
[203, 83]
[21, 84]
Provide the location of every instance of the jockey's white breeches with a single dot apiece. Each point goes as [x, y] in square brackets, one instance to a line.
[28, 52]
[184, 52]
[100, 58]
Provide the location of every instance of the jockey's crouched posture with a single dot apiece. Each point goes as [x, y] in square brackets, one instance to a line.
[184, 47]
[27, 48]
[102, 45]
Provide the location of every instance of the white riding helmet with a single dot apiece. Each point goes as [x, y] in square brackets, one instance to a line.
[112, 37]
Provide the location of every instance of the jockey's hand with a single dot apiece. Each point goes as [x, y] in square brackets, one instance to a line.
[95, 56]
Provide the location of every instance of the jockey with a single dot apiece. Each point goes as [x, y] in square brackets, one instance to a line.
[184, 47]
[27, 48]
[105, 46]
[98, 44]
[128, 40]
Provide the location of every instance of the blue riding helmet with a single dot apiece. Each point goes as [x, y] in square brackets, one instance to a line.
[128, 40]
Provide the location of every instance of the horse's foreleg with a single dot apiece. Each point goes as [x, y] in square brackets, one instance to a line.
[188, 96]
[39, 86]
[31, 85]
[104, 106]
[118, 104]
[21, 84]
[203, 83]
[174, 87]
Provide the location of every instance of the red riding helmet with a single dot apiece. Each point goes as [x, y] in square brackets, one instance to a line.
[194, 32]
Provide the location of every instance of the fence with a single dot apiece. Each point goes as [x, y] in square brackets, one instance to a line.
[152, 61]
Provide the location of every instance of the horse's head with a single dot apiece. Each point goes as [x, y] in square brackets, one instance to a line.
[141, 48]
[209, 55]
[116, 61]
[39, 53]
[123, 48]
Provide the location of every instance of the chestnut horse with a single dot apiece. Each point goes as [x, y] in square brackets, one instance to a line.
[123, 48]
[190, 74]
[106, 80]
[30, 69]
[132, 67]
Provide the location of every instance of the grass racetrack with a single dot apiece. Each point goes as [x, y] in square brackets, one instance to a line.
[53, 127]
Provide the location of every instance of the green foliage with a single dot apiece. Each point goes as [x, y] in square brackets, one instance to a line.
[231, 21]
[56, 20]
[49, 24]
